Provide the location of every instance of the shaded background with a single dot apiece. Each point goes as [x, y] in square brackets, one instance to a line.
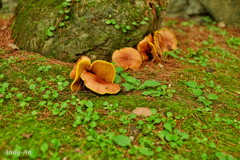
[226, 11]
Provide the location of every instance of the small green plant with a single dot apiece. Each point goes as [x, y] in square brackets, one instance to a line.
[224, 156]
[64, 12]
[208, 42]
[197, 91]
[131, 82]
[172, 136]
[44, 68]
[125, 27]
[195, 88]
[135, 84]
[46, 149]
[121, 140]
[217, 30]
[212, 84]
[198, 57]
[173, 54]
[207, 20]
[190, 23]
[111, 21]
[109, 106]
[125, 119]
[86, 116]
[233, 42]
[121, 26]
[171, 23]
[160, 91]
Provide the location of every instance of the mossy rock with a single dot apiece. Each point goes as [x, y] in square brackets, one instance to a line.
[86, 31]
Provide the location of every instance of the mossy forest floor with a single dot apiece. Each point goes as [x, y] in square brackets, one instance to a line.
[196, 107]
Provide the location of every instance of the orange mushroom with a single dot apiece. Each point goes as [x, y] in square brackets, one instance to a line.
[169, 39]
[144, 48]
[73, 72]
[77, 84]
[154, 52]
[98, 77]
[98, 85]
[156, 43]
[104, 70]
[160, 47]
[127, 58]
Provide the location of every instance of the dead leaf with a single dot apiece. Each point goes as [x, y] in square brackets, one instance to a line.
[78, 150]
[13, 46]
[2, 96]
[27, 135]
[4, 27]
[142, 111]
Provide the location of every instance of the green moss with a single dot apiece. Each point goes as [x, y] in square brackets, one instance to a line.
[85, 31]
[211, 129]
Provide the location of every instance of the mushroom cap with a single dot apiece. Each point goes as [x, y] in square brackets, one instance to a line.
[73, 72]
[98, 85]
[127, 58]
[77, 84]
[104, 70]
[169, 38]
[144, 48]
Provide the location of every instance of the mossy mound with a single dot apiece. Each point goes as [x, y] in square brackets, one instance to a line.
[87, 31]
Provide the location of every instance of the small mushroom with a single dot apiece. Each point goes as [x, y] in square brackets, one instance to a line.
[73, 72]
[160, 46]
[169, 39]
[144, 48]
[127, 58]
[98, 85]
[154, 52]
[77, 84]
[153, 45]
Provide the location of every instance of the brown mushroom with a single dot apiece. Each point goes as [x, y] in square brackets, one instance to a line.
[73, 72]
[144, 48]
[169, 39]
[154, 52]
[160, 46]
[98, 85]
[127, 58]
[77, 84]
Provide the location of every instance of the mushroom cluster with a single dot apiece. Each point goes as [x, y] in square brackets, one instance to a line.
[154, 44]
[151, 47]
[98, 76]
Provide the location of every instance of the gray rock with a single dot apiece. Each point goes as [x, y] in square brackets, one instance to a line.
[185, 8]
[86, 31]
[227, 11]
[7, 6]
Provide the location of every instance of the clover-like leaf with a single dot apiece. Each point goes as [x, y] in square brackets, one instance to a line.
[212, 96]
[146, 151]
[122, 140]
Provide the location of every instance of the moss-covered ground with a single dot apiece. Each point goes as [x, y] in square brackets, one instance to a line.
[196, 116]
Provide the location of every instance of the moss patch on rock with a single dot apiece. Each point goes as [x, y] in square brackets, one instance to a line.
[86, 31]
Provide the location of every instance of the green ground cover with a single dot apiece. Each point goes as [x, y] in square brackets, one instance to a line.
[195, 111]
